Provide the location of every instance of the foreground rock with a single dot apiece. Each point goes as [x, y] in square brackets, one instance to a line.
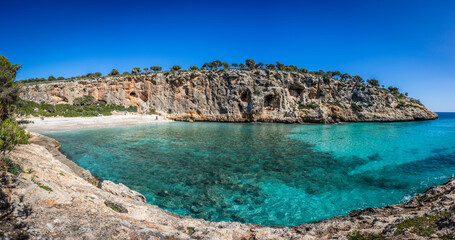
[56, 199]
[240, 96]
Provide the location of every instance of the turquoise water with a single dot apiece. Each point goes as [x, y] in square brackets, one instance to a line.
[271, 174]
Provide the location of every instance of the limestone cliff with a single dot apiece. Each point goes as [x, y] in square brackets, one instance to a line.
[240, 95]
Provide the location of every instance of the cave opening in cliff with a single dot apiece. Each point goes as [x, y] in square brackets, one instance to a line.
[271, 101]
[245, 96]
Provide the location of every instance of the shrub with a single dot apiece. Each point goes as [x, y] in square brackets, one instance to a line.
[311, 105]
[7, 164]
[175, 68]
[136, 70]
[373, 82]
[194, 68]
[9, 92]
[277, 76]
[27, 108]
[364, 236]
[422, 226]
[401, 105]
[11, 134]
[336, 104]
[155, 68]
[116, 207]
[356, 107]
[86, 100]
[114, 72]
[394, 90]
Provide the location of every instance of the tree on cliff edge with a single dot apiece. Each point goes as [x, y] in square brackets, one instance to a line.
[9, 92]
[155, 68]
[250, 63]
[136, 70]
[175, 68]
[114, 72]
[11, 134]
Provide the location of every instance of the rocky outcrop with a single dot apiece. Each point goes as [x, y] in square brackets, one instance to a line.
[240, 96]
[52, 200]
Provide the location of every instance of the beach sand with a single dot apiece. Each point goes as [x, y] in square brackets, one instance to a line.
[60, 124]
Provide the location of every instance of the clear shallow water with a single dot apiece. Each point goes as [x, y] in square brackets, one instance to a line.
[271, 174]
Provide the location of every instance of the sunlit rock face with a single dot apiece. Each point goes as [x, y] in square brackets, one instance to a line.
[240, 96]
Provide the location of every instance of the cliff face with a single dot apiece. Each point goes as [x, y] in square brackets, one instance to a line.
[240, 95]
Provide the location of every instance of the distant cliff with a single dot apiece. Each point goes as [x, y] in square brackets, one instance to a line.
[240, 96]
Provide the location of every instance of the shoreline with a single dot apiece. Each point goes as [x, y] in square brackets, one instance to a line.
[62, 124]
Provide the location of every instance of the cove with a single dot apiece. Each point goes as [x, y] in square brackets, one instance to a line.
[270, 174]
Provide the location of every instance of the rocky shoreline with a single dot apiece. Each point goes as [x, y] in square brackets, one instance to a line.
[233, 95]
[56, 199]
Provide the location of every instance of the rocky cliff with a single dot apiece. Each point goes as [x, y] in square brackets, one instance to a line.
[240, 95]
[55, 199]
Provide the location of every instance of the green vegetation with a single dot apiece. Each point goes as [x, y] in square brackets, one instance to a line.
[6, 163]
[155, 68]
[394, 90]
[311, 105]
[114, 72]
[175, 68]
[116, 207]
[402, 105]
[85, 108]
[191, 230]
[8, 90]
[44, 187]
[373, 82]
[448, 236]
[422, 226]
[356, 107]
[86, 100]
[136, 71]
[364, 236]
[152, 111]
[336, 104]
[11, 134]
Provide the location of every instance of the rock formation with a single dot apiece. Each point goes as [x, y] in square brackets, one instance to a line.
[235, 95]
[53, 199]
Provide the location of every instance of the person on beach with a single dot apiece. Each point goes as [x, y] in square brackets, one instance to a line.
[157, 118]
[126, 111]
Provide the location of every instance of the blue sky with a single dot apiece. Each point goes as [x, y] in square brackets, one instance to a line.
[408, 44]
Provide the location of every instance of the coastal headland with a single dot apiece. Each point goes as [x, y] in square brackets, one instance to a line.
[240, 95]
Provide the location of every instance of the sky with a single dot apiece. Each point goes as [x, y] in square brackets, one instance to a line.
[407, 44]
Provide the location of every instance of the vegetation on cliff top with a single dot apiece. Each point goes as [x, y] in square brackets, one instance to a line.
[249, 64]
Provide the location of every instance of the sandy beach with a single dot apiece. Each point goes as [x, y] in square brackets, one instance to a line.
[60, 124]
